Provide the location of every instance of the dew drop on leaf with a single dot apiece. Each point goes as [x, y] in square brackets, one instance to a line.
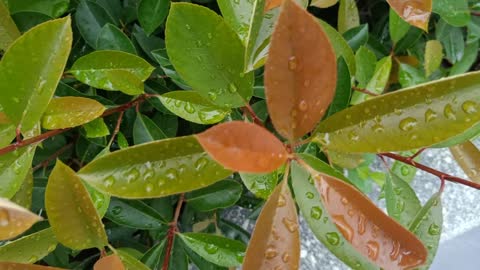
[316, 212]
[373, 248]
[270, 253]
[449, 113]
[309, 195]
[407, 124]
[469, 107]
[434, 229]
[109, 181]
[292, 63]
[333, 238]
[285, 257]
[171, 174]
[303, 105]
[430, 115]
[291, 225]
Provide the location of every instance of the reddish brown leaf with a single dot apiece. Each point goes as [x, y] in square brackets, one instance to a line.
[14, 219]
[111, 262]
[275, 242]
[243, 147]
[271, 4]
[467, 156]
[373, 233]
[21, 266]
[415, 12]
[300, 73]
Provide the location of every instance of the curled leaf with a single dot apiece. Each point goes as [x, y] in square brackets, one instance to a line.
[14, 219]
[415, 12]
[111, 262]
[65, 112]
[467, 156]
[298, 87]
[236, 144]
[30, 248]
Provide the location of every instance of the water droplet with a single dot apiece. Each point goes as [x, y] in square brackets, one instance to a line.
[188, 27]
[344, 201]
[397, 190]
[306, 83]
[281, 201]
[353, 136]
[469, 107]
[430, 115]
[378, 128]
[189, 107]
[209, 35]
[285, 257]
[4, 218]
[290, 224]
[303, 105]
[397, 111]
[449, 113]
[109, 181]
[362, 224]
[171, 174]
[232, 88]
[395, 250]
[408, 124]
[309, 195]
[373, 248]
[211, 248]
[292, 63]
[400, 206]
[33, 259]
[333, 238]
[434, 229]
[405, 170]
[270, 253]
[316, 212]
[132, 175]
[148, 187]
[212, 96]
[117, 210]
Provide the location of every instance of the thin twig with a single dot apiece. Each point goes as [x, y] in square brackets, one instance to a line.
[53, 157]
[171, 232]
[252, 113]
[365, 91]
[417, 153]
[117, 128]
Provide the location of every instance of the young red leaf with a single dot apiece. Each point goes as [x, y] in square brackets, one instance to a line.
[22, 266]
[14, 219]
[374, 234]
[271, 4]
[275, 242]
[111, 262]
[243, 147]
[300, 73]
[415, 12]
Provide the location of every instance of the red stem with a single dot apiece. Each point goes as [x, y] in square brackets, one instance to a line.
[171, 232]
[365, 91]
[254, 116]
[117, 128]
[53, 156]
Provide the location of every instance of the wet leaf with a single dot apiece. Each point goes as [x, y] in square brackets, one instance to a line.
[367, 228]
[29, 248]
[262, 185]
[14, 219]
[469, 56]
[365, 61]
[66, 112]
[433, 56]
[14, 167]
[452, 40]
[343, 91]
[235, 144]
[23, 197]
[68, 205]
[134, 214]
[145, 130]
[222, 194]
[216, 249]
[112, 38]
[96, 128]
[111, 262]
[467, 156]
[402, 202]
[21, 266]
[191, 106]
[298, 88]
[130, 262]
[7, 130]
[149, 170]
[254, 28]
[152, 13]
[90, 18]
[317, 217]
[407, 119]
[427, 226]
[113, 70]
[415, 12]
[271, 4]
[215, 67]
[153, 257]
[397, 26]
[7, 27]
[348, 17]
[52, 8]
[455, 12]
[323, 3]
[201, 263]
[100, 201]
[28, 83]
[377, 83]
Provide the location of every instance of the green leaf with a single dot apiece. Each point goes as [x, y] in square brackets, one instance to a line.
[397, 26]
[317, 217]
[262, 185]
[100, 201]
[7, 27]
[409, 119]
[222, 194]
[201, 263]
[90, 18]
[357, 36]
[409, 76]
[112, 38]
[23, 197]
[69, 206]
[365, 61]
[152, 258]
[433, 56]
[96, 128]
[7, 130]
[30, 248]
[130, 262]
[158, 169]
[28, 82]
[348, 17]
[134, 214]
[191, 106]
[216, 249]
[340, 45]
[215, 67]
[145, 130]
[427, 226]
[402, 202]
[253, 30]
[343, 91]
[377, 83]
[152, 13]
[455, 12]
[469, 57]
[405, 172]
[452, 40]
[52, 8]
[14, 167]
[66, 112]
[113, 70]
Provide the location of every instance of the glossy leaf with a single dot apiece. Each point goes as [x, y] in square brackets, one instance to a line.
[467, 156]
[409, 76]
[254, 28]
[348, 17]
[134, 214]
[397, 26]
[407, 119]
[66, 112]
[153, 257]
[7, 130]
[365, 61]
[113, 70]
[298, 88]
[427, 226]
[402, 202]
[469, 56]
[14, 219]
[7, 27]
[216, 249]
[130, 262]
[343, 91]
[262, 185]
[455, 12]
[271, 4]
[145, 130]
[452, 41]
[236, 144]
[215, 67]
[191, 106]
[111, 262]
[14, 167]
[21, 266]
[112, 38]
[96, 128]
[377, 83]
[201, 263]
[90, 18]
[357, 36]
[317, 217]
[219, 195]
[152, 13]
[415, 12]
[100, 201]
[433, 56]
[28, 82]
[275, 240]
[52, 8]
[69, 206]
[323, 3]
[148, 170]
[367, 228]
[30, 248]
[23, 197]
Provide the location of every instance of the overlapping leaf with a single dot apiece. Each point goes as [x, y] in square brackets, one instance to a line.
[7, 27]
[14, 219]
[23, 197]
[130, 262]
[112, 38]
[339, 45]
[402, 202]
[111, 262]
[134, 214]
[152, 13]
[65, 112]
[222, 194]
[22, 266]
[415, 12]
[30, 248]
[262, 185]
[14, 167]
[348, 17]
[433, 56]
[467, 156]
[90, 18]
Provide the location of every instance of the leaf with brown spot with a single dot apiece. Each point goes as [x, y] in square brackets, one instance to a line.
[300, 73]
[275, 242]
[111, 262]
[374, 234]
[467, 156]
[22, 266]
[243, 147]
[415, 12]
[14, 219]
[271, 4]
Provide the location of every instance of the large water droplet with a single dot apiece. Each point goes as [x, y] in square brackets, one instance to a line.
[281, 201]
[171, 174]
[109, 181]
[232, 88]
[408, 124]
[378, 128]
[430, 115]
[434, 229]
[404, 170]
[362, 224]
[373, 249]
[189, 108]
[4, 218]
[211, 248]
[270, 253]
[333, 238]
[303, 105]
[285, 257]
[469, 107]
[395, 250]
[292, 63]
[148, 187]
[309, 195]
[290, 224]
[449, 113]
[132, 175]
[316, 212]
